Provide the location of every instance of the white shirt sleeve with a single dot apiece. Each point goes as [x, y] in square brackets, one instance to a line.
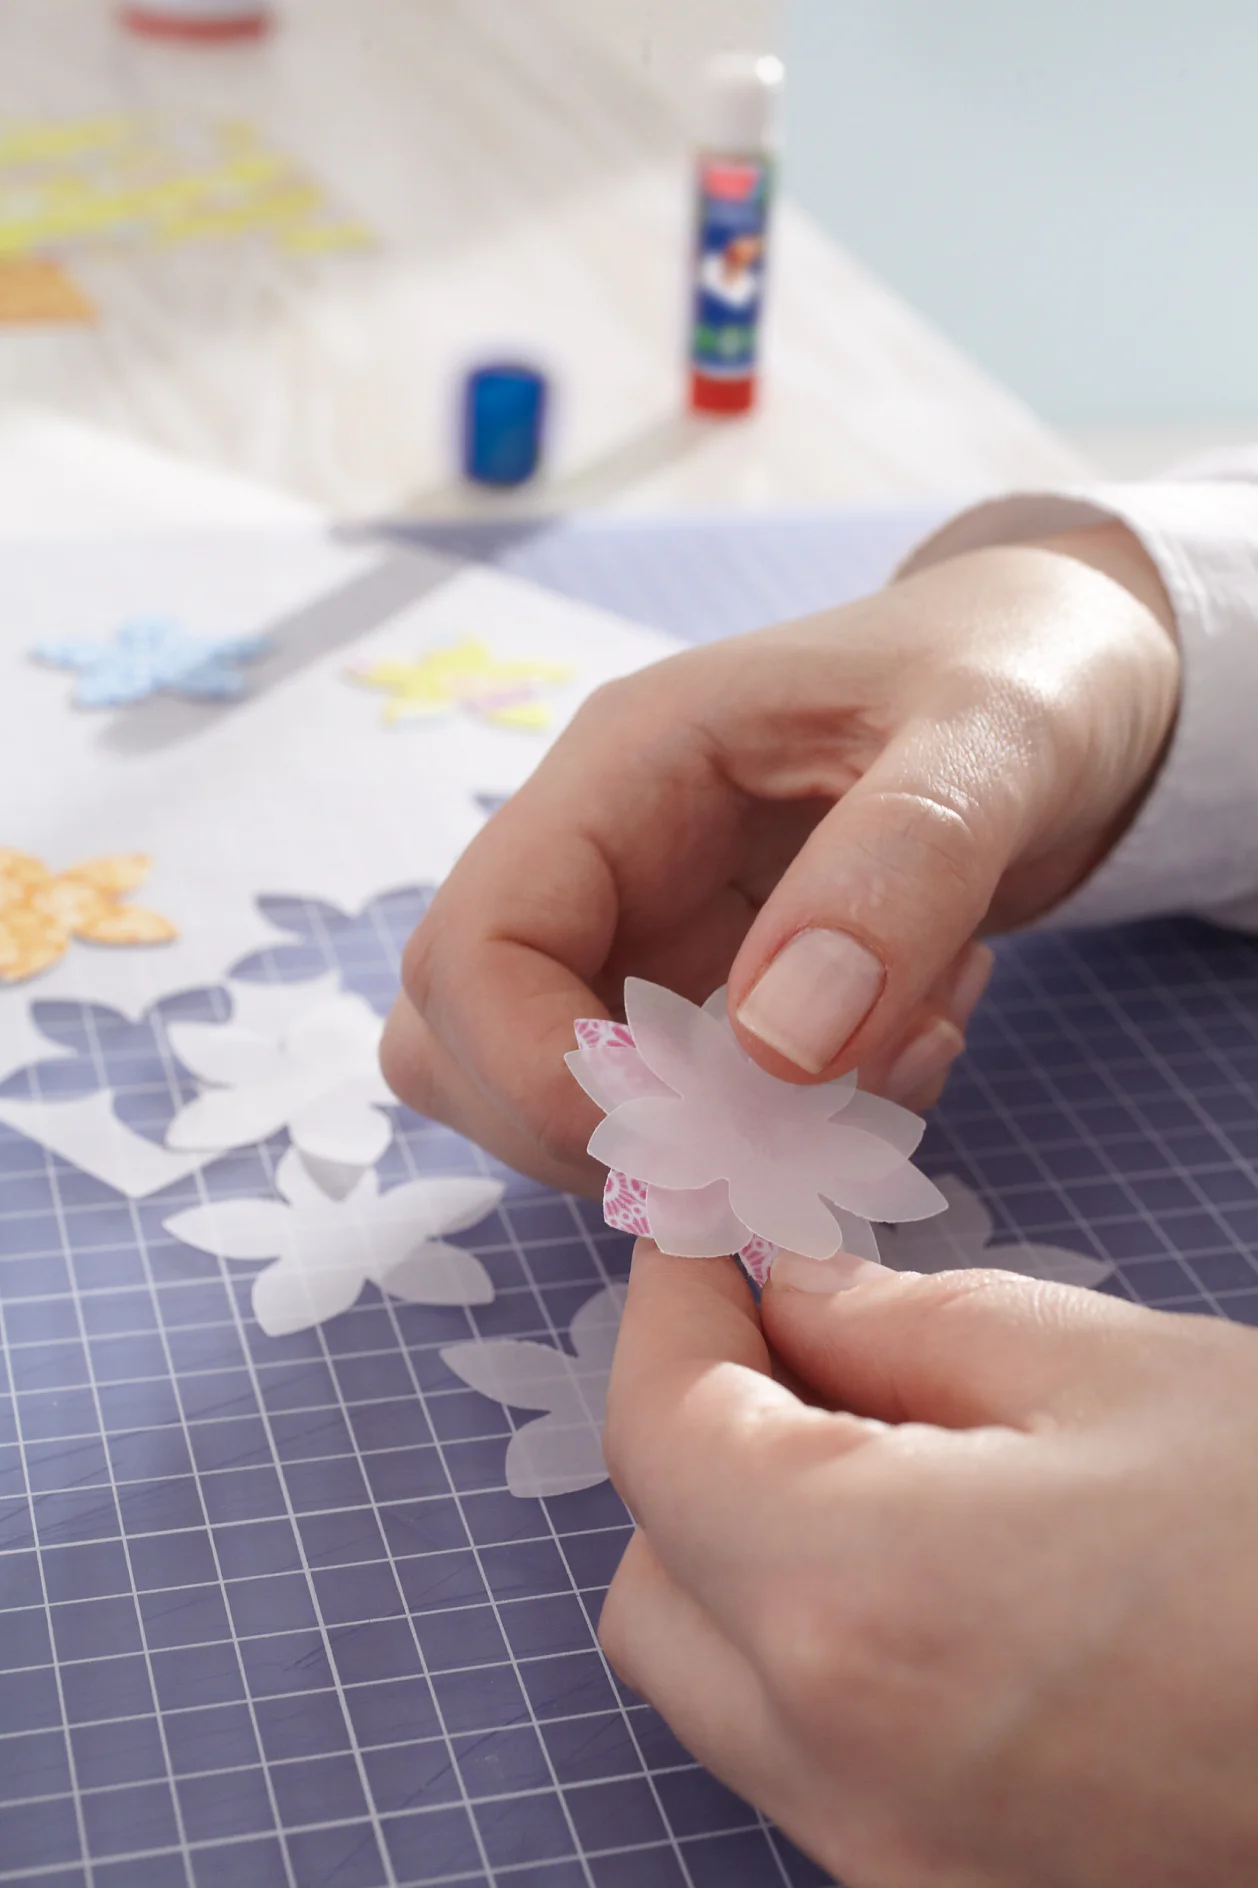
[1193, 847]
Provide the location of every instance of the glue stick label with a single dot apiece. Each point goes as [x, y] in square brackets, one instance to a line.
[729, 264]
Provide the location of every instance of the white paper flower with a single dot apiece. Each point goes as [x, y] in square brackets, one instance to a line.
[563, 1451]
[961, 1240]
[325, 1250]
[301, 1056]
[728, 1153]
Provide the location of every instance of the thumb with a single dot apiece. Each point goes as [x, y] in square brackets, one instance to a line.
[964, 1349]
[881, 899]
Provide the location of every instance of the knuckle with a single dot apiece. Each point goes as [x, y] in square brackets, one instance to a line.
[862, 1665]
[605, 704]
[419, 961]
[932, 839]
[816, 1658]
[616, 1635]
[405, 1066]
[613, 1635]
[558, 1126]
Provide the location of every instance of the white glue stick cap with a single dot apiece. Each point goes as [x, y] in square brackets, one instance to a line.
[738, 101]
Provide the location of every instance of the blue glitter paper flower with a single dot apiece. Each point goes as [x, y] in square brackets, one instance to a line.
[151, 658]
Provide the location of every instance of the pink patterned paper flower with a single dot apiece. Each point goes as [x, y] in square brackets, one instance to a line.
[709, 1154]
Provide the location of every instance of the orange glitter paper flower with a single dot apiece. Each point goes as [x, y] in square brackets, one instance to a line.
[40, 911]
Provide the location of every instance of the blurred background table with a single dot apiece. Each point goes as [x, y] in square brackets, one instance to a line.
[519, 175]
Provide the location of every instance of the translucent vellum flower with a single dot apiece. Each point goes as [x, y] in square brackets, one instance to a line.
[300, 1056]
[961, 1240]
[325, 1250]
[562, 1451]
[725, 1158]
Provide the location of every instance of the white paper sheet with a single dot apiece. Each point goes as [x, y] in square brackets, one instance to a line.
[297, 790]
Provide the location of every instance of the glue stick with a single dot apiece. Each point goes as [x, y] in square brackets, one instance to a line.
[735, 183]
[199, 19]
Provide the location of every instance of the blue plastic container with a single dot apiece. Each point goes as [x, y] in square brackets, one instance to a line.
[504, 416]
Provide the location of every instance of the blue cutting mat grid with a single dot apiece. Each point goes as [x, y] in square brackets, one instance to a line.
[269, 1614]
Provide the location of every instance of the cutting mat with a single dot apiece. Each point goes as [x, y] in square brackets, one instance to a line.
[270, 1614]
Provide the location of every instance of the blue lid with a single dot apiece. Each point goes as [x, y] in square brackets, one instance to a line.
[504, 411]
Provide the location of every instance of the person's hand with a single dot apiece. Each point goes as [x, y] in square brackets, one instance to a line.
[823, 814]
[992, 1628]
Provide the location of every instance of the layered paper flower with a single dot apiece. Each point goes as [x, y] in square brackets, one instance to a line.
[325, 1249]
[300, 1056]
[709, 1154]
[40, 911]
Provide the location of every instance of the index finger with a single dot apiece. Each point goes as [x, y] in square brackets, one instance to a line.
[706, 1448]
[570, 874]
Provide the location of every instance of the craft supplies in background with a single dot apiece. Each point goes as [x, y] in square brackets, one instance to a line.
[200, 19]
[142, 181]
[504, 418]
[735, 184]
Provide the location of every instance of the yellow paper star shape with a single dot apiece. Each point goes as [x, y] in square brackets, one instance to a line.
[466, 676]
[40, 911]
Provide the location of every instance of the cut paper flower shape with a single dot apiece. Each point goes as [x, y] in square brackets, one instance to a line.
[325, 1250]
[732, 1159]
[563, 1451]
[961, 1240]
[465, 675]
[296, 1055]
[151, 658]
[40, 911]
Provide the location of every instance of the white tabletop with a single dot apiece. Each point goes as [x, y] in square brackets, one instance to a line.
[524, 175]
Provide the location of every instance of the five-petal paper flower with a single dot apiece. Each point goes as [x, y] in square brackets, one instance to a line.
[296, 1055]
[149, 658]
[961, 1240]
[732, 1158]
[563, 1450]
[465, 675]
[326, 1249]
[40, 911]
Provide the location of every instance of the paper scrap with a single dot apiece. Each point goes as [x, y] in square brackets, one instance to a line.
[88, 1134]
[727, 1153]
[154, 658]
[465, 675]
[308, 1065]
[562, 1452]
[324, 1250]
[134, 178]
[36, 292]
[41, 911]
[961, 1240]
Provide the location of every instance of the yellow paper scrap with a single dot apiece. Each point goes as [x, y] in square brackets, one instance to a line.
[41, 911]
[465, 675]
[133, 178]
[34, 290]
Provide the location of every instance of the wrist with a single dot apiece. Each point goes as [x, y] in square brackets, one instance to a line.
[1118, 554]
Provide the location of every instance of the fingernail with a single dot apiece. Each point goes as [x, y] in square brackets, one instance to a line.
[970, 985]
[815, 994]
[823, 1277]
[924, 1061]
